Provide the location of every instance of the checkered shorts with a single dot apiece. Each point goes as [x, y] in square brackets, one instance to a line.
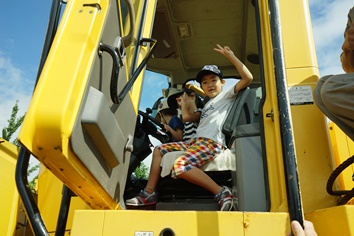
[197, 152]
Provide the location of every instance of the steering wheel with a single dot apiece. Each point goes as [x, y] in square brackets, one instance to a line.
[152, 119]
[160, 134]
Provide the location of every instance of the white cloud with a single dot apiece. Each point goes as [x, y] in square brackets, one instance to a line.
[15, 85]
[328, 22]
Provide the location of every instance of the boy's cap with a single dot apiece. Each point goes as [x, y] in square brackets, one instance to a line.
[172, 102]
[208, 69]
[162, 106]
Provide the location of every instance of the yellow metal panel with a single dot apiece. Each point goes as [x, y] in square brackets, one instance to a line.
[343, 148]
[54, 108]
[191, 223]
[9, 196]
[310, 135]
[299, 46]
[55, 104]
[266, 223]
[182, 223]
[146, 33]
[333, 221]
[71, 168]
[51, 102]
[272, 132]
[90, 223]
[49, 200]
[312, 145]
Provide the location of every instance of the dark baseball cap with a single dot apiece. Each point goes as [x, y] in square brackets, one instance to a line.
[208, 69]
[172, 102]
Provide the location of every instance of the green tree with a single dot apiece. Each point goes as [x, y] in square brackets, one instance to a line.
[141, 172]
[13, 124]
[32, 183]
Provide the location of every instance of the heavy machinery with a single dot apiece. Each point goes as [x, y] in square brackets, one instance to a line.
[84, 126]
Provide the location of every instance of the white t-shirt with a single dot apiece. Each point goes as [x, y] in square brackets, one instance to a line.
[213, 116]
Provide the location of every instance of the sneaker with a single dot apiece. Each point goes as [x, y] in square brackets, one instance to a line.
[235, 202]
[142, 199]
[225, 199]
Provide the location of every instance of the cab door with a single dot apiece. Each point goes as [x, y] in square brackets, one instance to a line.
[81, 120]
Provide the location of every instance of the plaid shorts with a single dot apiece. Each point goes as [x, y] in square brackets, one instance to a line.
[197, 152]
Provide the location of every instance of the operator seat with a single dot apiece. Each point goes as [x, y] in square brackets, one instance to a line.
[242, 131]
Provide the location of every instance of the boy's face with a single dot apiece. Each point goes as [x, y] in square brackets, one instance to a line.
[212, 85]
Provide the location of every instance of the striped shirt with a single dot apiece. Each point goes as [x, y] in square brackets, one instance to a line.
[189, 130]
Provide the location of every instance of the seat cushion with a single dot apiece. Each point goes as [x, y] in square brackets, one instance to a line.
[224, 161]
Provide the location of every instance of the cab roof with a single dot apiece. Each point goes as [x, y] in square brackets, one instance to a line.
[187, 31]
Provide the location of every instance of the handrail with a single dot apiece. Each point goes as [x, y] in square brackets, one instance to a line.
[136, 73]
[288, 148]
[64, 211]
[128, 39]
[29, 203]
[118, 98]
[115, 69]
[347, 194]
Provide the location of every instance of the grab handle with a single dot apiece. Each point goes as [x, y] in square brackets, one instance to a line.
[128, 39]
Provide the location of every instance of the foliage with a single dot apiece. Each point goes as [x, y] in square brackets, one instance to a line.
[13, 124]
[141, 172]
[32, 183]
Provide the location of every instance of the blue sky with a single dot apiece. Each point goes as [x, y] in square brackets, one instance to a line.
[23, 27]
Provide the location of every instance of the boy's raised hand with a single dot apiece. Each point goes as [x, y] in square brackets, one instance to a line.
[245, 74]
[226, 51]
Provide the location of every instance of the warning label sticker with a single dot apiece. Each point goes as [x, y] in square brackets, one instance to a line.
[142, 233]
[300, 95]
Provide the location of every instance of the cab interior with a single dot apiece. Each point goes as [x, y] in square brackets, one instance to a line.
[186, 33]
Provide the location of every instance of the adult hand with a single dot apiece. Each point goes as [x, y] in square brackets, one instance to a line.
[308, 230]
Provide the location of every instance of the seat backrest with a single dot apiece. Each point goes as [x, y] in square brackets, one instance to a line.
[257, 102]
[241, 113]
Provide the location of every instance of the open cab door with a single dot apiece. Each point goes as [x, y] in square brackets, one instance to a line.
[81, 120]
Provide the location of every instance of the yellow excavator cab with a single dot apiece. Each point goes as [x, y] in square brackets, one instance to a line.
[86, 127]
